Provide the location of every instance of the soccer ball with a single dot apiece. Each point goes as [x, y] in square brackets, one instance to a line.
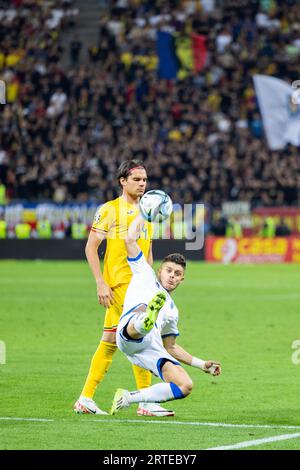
[156, 206]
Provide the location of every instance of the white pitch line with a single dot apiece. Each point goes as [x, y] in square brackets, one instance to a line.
[257, 442]
[194, 423]
[9, 418]
[157, 421]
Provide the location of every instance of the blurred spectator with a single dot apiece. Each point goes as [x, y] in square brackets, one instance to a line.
[3, 200]
[268, 228]
[3, 227]
[43, 228]
[218, 226]
[282, 229]
[78, 230]
[23, 230]
[75, 48]
[233, 228]
[59, 230]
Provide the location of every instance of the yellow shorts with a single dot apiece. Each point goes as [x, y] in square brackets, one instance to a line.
[113, 313]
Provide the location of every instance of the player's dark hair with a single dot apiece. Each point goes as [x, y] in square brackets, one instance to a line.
[126, 167]
[176, 258]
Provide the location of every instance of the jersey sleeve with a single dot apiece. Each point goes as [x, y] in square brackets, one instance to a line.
[139, 265]
[104, 219]
[170, 328]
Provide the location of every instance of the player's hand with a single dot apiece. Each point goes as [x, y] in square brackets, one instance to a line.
[105, 294]
[213, 367]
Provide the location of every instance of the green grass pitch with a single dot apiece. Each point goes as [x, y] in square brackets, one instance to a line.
[245, 316]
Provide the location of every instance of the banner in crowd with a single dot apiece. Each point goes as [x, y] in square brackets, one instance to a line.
[281, 117]
[290, 216]
[186, 222]
[240, 210]
[180, 54]
[55, 213]
[252, 250]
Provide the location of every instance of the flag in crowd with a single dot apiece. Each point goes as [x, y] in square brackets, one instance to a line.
[280, 112]
[180, 54]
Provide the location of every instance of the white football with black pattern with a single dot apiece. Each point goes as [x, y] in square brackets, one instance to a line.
[156, 206]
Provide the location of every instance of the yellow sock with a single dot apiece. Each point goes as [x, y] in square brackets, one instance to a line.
[100, 364]
[142, 377]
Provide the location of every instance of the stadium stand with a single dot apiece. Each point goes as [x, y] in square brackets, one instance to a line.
[65, 128]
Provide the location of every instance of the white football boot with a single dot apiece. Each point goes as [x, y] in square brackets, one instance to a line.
[87, 406]
[153, 409]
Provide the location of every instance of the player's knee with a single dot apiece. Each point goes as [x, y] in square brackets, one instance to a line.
[109, 337]
[187, 387]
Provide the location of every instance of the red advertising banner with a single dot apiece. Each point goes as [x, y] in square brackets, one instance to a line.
[289, 215]
[253, 250]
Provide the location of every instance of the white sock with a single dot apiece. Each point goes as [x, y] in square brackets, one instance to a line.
[138, 323]
[156, 393]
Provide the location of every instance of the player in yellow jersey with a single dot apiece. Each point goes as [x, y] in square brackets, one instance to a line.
[111, 223]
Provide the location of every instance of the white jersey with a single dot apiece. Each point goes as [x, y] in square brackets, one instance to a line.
[147, 352]
[143, 286]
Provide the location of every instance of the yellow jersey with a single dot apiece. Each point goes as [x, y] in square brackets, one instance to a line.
[112, 220]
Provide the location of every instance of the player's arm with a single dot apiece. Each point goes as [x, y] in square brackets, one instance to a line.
[212, 367]
[134, 231]
[150, 256]
[104, 292]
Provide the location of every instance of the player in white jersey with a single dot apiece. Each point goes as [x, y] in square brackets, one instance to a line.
[147, 330]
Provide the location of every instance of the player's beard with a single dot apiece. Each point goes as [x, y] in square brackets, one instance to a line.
[137, 194]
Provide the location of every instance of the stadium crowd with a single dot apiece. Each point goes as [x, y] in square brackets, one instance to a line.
[65, 129]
